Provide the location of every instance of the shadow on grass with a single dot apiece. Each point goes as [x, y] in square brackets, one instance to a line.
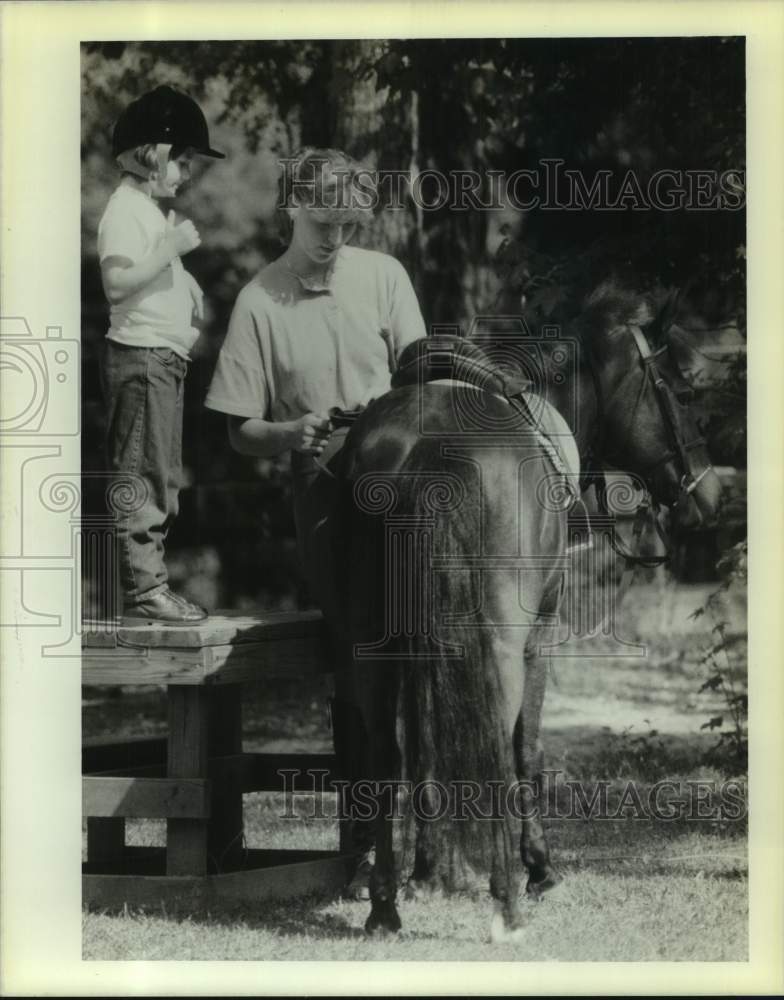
[301, 917]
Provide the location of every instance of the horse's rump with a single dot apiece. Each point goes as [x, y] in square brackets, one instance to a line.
[444, 553]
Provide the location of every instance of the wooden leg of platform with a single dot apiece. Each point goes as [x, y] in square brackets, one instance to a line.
[225, 837]
[186, 839]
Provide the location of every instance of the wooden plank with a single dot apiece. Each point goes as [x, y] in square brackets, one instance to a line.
[138, 860]
[105, 841]
[322, 874]
[220, 629]
[302, 656]
[144, 771]
[186, 839]
[114, 755]
[111, 667]
[225, 834]
[153, 798]
[109, 892]
[254, 772]
[134, 861]
[105, 639]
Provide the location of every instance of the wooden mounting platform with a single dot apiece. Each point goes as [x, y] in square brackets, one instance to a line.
[226, 649]
[196, 776]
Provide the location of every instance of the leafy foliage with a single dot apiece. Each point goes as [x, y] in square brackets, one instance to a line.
[726, 658]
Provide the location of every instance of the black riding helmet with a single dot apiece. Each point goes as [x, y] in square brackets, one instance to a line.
[163, 115]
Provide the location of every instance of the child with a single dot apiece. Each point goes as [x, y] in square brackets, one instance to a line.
[152, 302]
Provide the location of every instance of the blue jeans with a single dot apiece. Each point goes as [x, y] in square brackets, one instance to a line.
[143, 389]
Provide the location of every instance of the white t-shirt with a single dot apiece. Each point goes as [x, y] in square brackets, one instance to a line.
[293, 349]
[159, 314]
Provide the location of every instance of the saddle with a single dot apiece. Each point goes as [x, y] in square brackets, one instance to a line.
[431, 359]
[453, 358]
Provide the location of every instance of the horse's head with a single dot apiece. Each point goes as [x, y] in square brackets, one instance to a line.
[646, 424]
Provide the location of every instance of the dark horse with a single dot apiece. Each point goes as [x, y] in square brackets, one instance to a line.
[447, 558]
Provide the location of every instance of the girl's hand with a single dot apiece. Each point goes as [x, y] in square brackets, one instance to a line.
[197, 295]
[309, 434]
[181, 239]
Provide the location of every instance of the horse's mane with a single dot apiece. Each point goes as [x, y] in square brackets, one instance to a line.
[609, 306]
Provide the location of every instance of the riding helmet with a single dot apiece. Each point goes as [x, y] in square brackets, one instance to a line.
[163, 115]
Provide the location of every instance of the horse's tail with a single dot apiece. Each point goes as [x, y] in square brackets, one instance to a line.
[456, 740]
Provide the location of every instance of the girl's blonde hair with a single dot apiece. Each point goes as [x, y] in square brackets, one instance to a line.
[142, 161]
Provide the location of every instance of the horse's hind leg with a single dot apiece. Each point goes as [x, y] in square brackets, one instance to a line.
[505, 876]
[426, 877]
[505, 885]
[381, 703]
[534, 851]
[383, 918]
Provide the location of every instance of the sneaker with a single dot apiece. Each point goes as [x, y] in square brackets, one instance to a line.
[165, 608]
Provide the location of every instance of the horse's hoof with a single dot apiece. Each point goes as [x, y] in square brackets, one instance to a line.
[501, 934]
[551, 886]
[381, 932]
[383, 924]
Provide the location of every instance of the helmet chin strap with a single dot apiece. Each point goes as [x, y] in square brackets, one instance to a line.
[162, 151]
[131, 165]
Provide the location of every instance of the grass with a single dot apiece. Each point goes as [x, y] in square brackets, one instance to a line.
[634, 889]
[616, 916]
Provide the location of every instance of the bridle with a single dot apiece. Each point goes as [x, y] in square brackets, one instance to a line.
[667, 401]
[679, 450]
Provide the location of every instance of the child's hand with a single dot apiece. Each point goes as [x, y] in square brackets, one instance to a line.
[183, 238]
[197, 295]
[309, 434]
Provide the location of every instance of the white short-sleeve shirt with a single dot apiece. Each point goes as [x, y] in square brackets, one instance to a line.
[159, 314]
[293, 349]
